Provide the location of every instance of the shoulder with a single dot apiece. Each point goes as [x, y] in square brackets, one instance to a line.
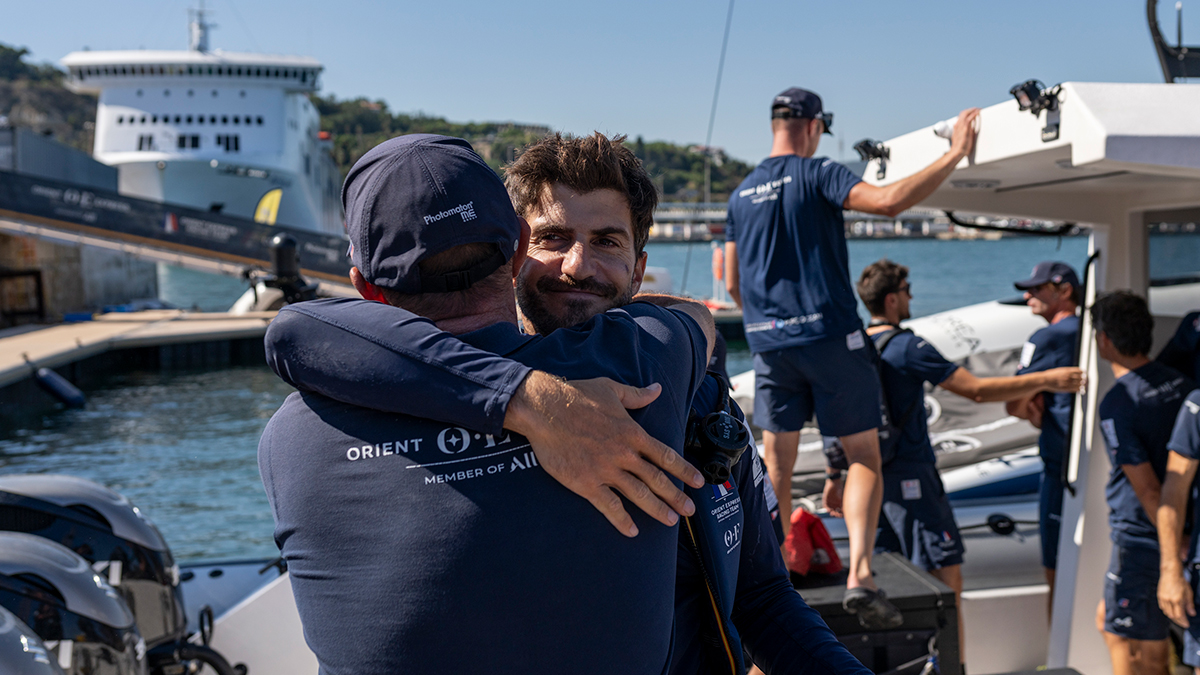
[1122, 397]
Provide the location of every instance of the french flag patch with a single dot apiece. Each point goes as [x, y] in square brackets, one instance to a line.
[722, 490]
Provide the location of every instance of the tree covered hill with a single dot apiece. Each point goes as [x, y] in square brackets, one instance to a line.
[33, 95]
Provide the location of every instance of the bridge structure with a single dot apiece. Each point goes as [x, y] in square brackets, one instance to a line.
[705, 221]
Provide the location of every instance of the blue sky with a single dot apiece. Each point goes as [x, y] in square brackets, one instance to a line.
[648, 68]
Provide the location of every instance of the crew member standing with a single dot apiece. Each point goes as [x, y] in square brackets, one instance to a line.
[786, 265]
[1177, 590]
[1052, 292]
[918, 522]
[1136, 418]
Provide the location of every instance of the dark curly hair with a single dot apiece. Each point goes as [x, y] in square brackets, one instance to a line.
[584, 164]
[1125, 318]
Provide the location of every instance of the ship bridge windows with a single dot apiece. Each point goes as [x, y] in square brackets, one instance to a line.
[186, 141]
[145, 142]
[231, 142]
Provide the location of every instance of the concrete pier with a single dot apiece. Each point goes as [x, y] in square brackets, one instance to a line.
[86, 351]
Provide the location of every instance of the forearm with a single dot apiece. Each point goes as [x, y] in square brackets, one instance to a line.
[384, 358]
[1009, 388]
[1170, 535]
[908, 192]
[732, 276]
[788, 636]
[1150, 499]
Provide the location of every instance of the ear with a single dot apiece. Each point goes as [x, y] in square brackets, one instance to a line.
[522, 252]
[368, 290]
[639, 272]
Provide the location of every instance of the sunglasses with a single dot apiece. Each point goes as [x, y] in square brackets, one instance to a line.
[785, 113]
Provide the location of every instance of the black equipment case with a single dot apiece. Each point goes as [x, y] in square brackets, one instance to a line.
[930, 617]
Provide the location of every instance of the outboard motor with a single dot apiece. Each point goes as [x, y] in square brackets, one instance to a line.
[22, 651]
[122, 545]
[85, 625]
[111, 534]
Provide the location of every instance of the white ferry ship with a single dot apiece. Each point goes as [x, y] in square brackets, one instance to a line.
[233, 133]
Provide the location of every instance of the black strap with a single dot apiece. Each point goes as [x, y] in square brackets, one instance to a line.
[462, 280]
[880, 345]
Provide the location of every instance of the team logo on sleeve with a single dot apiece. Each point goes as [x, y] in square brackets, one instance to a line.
[1110, 433]
[1193, 408]
[1027, 354]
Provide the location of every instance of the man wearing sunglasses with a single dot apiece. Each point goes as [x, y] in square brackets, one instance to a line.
[1052, 291]
[786, 265]
[917, 521]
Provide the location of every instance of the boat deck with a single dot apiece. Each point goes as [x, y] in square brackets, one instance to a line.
[23, 349]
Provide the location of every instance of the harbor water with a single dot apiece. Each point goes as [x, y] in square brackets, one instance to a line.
[182, 445]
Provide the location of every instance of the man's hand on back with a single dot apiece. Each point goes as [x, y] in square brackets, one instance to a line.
[583, 437]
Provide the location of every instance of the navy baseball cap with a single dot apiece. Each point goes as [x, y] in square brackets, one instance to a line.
[797, 102]
[415, 196]
[1046, 272]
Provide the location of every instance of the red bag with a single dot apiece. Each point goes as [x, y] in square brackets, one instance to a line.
[810, 547]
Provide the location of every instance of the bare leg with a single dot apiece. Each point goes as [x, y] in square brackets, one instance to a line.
[779, 452]
[1050, 601]
[1149, 656]
[952, 577]
[861, 501]
[1119, 648]
[754, 670]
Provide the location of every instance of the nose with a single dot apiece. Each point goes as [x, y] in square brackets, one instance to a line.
[577, 263]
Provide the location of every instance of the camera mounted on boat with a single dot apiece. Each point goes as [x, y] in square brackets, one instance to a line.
[717, 439]
[285, 268]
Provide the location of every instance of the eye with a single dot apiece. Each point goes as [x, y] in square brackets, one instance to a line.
[607, 241]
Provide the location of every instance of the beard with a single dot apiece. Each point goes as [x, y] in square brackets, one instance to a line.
[532, 299]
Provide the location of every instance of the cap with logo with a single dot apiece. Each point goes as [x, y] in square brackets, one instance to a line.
[1047, 272]
[800, 103]
[418, 195]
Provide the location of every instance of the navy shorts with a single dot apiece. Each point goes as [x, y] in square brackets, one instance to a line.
[1191, 637]
[1131, 594]
[1050, 505]
[838, 383]
[917, 521]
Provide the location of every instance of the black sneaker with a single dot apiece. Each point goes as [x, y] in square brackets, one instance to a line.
[872, 608]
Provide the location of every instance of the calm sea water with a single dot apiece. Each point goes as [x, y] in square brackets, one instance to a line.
[182, 445]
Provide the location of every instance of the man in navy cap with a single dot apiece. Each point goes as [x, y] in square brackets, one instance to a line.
[786, 265]
[428, 547]
[1052, 292]
[590, 204]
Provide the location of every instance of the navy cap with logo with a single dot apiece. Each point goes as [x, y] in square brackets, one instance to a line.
[800, 103]
[415, 196]
[1047, 272]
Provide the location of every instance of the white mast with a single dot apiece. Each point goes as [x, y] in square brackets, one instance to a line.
[198, 29]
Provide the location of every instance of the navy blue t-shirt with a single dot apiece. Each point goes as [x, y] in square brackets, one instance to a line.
[1136, 417]
[1185, 440]
[908, 363]
[1052, 347]
[1183, 351]
[793, 267]
[431, 548]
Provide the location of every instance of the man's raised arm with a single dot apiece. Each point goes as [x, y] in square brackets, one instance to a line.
[906, 193]
[385, 358]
